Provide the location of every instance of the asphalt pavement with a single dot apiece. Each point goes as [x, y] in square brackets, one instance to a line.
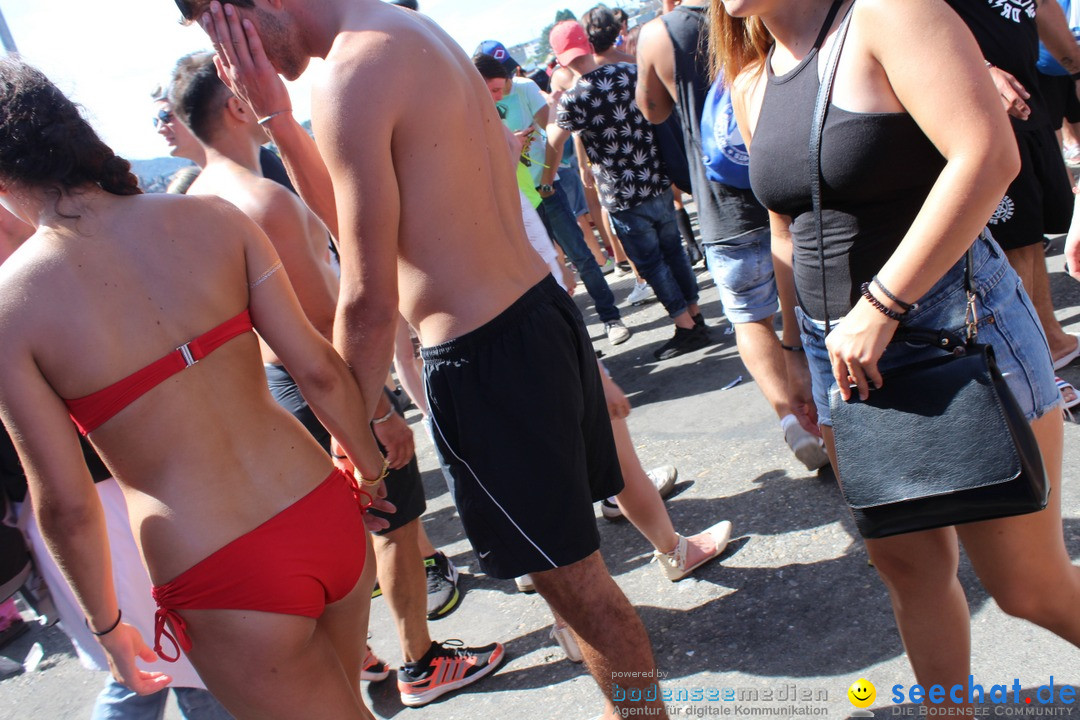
[779, 627]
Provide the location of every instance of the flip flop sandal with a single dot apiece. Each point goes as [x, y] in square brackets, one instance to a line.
[1069, 356]
[1066, 388]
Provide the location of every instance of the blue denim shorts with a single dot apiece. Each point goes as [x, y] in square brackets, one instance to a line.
[1007, 322]
[743, 273]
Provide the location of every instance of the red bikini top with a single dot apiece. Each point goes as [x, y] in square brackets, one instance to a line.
[91, 411]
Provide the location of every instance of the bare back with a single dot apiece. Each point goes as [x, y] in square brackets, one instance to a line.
[202, 457]
[401, 101]
[294, 231]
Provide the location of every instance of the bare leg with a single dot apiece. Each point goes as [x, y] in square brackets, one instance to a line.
[639, 500]
[919, 570]
[404, 584]
[426, 548]
[1023, 561]
[1030, 264]
[590, 239]
[603, 225]
[610, 633]
[760, 350]
[266, 666]
[643, 506]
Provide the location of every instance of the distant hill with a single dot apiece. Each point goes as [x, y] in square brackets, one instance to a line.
[154, 174]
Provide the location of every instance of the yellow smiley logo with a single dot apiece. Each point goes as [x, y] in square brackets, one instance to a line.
[862, 693]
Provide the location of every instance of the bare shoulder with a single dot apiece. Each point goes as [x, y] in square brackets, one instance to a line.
[881, 19]
[654, 39]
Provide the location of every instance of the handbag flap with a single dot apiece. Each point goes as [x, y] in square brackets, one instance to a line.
[933, 428]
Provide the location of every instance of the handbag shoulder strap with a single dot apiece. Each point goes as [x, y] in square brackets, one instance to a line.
[817, 126]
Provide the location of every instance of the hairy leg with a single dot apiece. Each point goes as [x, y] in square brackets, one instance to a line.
[760, 350]
[404, 584]
[609, 631]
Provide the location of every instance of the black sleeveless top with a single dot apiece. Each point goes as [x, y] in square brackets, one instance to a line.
[725, 213]
[877, 170]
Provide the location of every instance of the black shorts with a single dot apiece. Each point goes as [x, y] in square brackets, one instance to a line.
[1059, 94]
[519, 416]
[404, 487]
[1040, 199]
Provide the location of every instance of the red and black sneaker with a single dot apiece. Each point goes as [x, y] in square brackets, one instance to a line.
[446, 667]
[374, 669]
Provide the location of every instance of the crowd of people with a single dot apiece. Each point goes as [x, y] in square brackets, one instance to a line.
[227, 472]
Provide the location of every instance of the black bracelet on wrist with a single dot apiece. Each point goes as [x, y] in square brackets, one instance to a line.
[880, 306]
[1075, 76]
[906, 307]
[119, 615]
[792, 348]
[339, 457]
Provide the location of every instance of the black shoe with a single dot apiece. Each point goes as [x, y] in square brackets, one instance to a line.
[699, 320]
[446, 667]
[442, 589]
[684, 341]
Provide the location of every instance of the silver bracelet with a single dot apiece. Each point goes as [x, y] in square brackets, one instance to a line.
[271, 116]
[384, 418]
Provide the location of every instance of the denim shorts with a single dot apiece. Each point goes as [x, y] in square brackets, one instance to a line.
[1007, 322]
[743, 273]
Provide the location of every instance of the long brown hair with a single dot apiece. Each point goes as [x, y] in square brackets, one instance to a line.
[735, 43]
[46, 143]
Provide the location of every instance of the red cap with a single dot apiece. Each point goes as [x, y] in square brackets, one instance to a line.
[569, 42]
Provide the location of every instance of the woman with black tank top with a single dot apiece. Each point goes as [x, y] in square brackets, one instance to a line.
[915, 155]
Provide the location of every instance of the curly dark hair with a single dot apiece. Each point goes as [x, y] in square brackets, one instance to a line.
[602, 27]
[45, 142]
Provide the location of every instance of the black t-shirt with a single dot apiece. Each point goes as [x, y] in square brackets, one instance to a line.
[1009, 39]
[618, 139]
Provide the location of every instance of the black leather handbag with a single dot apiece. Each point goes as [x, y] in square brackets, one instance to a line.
[943, 441]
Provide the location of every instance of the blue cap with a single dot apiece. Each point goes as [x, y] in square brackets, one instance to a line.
[497, 50]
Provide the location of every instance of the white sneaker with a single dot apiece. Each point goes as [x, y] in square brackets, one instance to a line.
[617, 333]
[562, 635]
[663, 478]
[640, 294]
[808, 448]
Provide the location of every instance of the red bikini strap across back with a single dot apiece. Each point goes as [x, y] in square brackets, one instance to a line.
[91, 411]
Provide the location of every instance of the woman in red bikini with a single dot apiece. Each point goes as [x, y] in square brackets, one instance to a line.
[131, 315]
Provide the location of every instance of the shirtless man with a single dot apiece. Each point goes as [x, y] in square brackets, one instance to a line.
[230, 136]
[429, 221]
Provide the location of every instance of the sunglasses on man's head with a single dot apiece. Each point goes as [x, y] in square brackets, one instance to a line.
[164, 117]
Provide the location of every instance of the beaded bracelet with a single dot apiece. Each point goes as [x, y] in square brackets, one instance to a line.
[880, 306]
[119, 615]
[906, 307]
[382, 475]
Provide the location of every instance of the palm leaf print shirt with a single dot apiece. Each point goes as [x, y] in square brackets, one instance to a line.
[600, 109]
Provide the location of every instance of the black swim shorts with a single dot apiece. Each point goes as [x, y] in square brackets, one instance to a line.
[519, 416]
[1040, 199]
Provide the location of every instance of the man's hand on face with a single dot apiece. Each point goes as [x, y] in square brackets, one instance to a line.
[242, 63]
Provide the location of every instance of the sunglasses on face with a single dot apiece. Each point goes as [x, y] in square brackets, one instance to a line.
[163, 117]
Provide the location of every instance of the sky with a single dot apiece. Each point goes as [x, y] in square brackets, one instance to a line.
[108, 57]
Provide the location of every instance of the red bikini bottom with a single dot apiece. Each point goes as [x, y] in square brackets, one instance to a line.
[307, 556]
